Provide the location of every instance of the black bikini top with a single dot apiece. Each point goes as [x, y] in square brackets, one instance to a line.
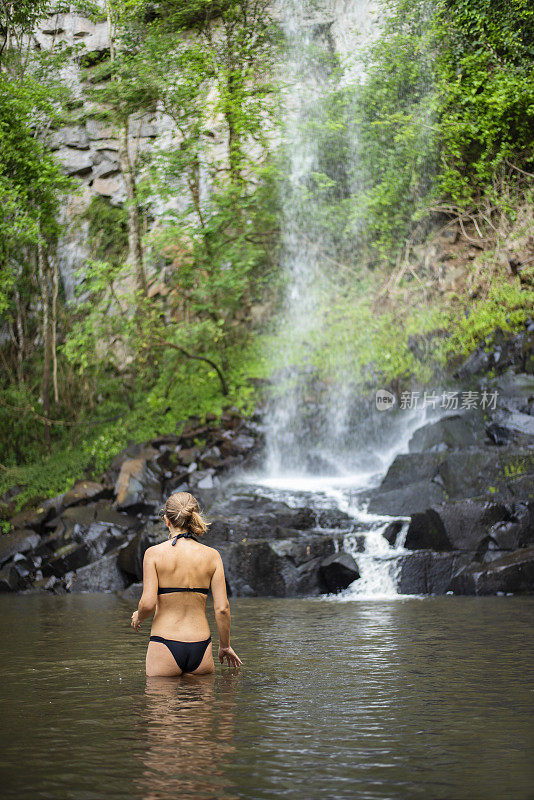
[169, 589]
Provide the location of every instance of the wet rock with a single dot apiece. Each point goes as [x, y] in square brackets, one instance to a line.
[412, 468]
[189, 455]
[427, 572]
[69, 557]
[283, 568]
[99, 538]
[407, 500]
[103, 575]
[133, 592]
[17, 542]
[239, 588]
[517, 422]
[242, 443]
[511, 573]
[338, 571]
[83, 492]
[392, 531]
[334, 518]
[499, 435]
[106, 514]
[202, 479]
[37, 517]
[450, 433]
[10, 579]
[454, 526]
[137, 486]
[131, 556]
[45, 584]
[513, 534]
[415, 481]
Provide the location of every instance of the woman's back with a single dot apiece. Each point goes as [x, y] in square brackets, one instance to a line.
[186, 565]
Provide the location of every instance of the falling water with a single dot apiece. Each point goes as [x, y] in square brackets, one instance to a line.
[322, 441]
[316, 425]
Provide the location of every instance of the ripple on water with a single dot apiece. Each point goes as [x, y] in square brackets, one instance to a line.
[405, 699]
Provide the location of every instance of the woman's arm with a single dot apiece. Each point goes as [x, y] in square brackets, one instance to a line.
[149, 598]
[221, 607]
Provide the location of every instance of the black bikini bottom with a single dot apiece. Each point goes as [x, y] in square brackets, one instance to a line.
[187, 655]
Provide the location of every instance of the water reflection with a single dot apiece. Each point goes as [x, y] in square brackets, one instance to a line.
[188, 725]
[407, 700]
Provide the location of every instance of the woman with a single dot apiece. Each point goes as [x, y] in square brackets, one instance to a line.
[176, 577]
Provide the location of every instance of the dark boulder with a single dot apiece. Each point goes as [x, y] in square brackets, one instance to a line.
[238, 588]
[17, 542]
[24, 565]
[334, 518]
[133, 592]
[449, 433]
[338, 571]
[510, 573]
[489, 473]
[412, 468]
[500, 435]
[10, 579]
[426, 531]
[131, 556]
[416, 481]
[454, 526]
[427, 572]
[66, 559]
[392, 531]
[407, 500]
[106, 514]
[99, 538]
[282, 568]
[515, 533]
[35, 518]
[103, 575]
[83, 492]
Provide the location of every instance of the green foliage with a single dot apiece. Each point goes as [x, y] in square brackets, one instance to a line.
[507, 307]
[108, 230]
[485, 91]
[445, 116]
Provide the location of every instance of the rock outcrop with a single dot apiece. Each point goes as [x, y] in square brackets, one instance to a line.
[467, 484]
[93, 538]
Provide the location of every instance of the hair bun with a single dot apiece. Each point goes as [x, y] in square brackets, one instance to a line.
[183, 512]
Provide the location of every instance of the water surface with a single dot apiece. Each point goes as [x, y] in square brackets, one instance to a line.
[404, 698]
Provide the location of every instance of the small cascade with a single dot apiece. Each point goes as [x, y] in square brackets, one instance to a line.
[377, 560]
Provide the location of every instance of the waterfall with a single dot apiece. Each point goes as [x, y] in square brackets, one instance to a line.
[322, 441]
[315, 426]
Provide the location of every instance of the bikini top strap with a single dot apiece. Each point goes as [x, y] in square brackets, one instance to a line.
[183, 536]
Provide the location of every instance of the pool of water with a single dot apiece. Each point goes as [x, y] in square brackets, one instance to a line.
[403, 698]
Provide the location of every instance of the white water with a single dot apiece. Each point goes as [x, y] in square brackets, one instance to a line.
[318, 442]
[378, 563]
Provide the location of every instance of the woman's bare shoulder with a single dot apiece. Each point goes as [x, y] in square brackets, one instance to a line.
[156, 550]
[211, 552]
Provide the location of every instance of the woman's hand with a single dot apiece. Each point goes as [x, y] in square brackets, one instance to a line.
[136, 622]
[231, 657]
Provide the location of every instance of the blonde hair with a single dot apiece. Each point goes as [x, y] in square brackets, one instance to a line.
[183, 512]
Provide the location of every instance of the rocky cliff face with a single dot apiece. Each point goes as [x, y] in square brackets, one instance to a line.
[88, 148]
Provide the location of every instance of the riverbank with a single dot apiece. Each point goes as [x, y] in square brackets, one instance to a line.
[457, 508]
